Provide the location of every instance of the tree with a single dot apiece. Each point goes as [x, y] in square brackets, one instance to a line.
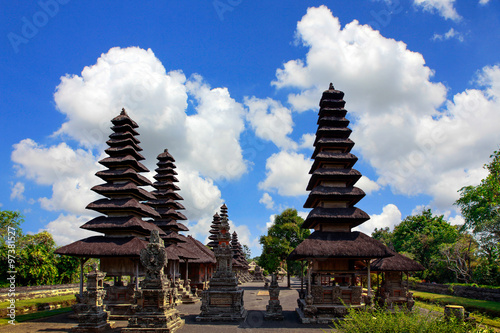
[421, 236]
[247, 252]
[384, 235]
[459, 256]
[37, 261]
[480, 205]
[282, 237]
[10, 222]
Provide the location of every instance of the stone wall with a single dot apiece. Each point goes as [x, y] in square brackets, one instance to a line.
[460, 291]
[40, 291]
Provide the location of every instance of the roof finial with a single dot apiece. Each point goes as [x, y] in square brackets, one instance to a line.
[331, 87]
[123, 113]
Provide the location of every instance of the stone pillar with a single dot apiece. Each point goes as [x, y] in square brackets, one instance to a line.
[82, 261]
[274, 310]
[90, 307]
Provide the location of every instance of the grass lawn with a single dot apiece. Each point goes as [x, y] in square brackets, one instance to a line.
[36, 315]
[486, 311]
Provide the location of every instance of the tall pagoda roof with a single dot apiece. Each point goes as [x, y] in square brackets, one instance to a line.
[166, 201]
[124, 119]
[125, 230]
[332, 193]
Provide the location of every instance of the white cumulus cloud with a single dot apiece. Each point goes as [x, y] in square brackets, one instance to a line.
[389, 217]
[452, 33]
[17, 191]
[271, 121]
[200, 126]
[445, 8]
[66, 228]
[417, 140]
[267, 201]
[287, 173]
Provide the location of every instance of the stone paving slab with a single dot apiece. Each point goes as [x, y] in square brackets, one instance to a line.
[254, 303]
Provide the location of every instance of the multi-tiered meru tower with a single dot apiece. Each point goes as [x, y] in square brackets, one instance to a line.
[223, 301]
[335, 255]
[125, 231]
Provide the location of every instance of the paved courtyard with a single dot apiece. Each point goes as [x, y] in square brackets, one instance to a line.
[254, 303]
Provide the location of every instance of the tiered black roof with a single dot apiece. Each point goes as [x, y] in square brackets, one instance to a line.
[124, 229]
[332, 193]
[166, 202]
[238, 255]
[214, 231]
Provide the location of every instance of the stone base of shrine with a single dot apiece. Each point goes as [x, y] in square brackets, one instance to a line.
[322, 313]
[216, 315]
[156, 323]
[92, 328]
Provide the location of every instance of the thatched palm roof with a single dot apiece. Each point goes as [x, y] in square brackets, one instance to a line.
[355, 244]
[102, 246]
[398, 262]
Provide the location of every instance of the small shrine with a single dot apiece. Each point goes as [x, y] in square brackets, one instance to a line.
[336, 256]
[258, 274]
[154, 309]
[89, 308]
[274, 310]
[393, 291]
[223, 301]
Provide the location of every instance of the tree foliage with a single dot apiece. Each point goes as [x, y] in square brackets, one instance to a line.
[282, 237]
[422, 235]
[480, 205]
[34, 259]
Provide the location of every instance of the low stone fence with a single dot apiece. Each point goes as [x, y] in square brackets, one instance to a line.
[40, 291]
[460, 291]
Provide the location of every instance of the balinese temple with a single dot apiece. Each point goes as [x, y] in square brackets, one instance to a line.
[392, 291]
[125, 233]
[335, 255]
[192, 264]
[240, 264]
[201, 268]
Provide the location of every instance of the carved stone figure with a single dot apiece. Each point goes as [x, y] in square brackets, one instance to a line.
[154, 309]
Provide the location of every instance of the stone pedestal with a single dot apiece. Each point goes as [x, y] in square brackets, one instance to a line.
[90, 307]
[223, 301]
[257, 275]
[274, 311]
[154, 310]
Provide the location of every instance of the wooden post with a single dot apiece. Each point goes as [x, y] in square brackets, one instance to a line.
[368, 279]
[301, 276]
[82, 261]
[136, 275]
[309, 278]
[187, 274]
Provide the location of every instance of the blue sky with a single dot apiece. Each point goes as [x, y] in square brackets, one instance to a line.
[231, 88]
